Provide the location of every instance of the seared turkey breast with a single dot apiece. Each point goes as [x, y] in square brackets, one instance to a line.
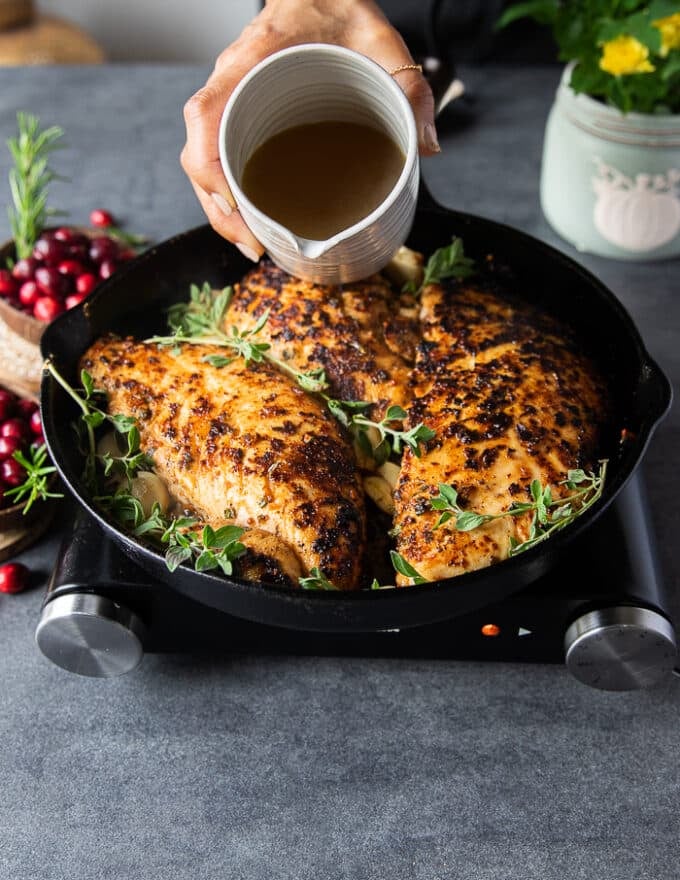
[243, 444]
[511, 399]
[361, 334]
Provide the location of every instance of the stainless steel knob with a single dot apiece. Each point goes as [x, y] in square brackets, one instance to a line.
[90, 635]
[620, 648]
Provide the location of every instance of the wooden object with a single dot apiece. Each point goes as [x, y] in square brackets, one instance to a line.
[15, 12]
[47, 40]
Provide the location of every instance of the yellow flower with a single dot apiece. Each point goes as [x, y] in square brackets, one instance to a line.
[670, 33]
[624, 55]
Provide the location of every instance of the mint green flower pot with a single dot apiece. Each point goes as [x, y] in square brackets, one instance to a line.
[610, 183]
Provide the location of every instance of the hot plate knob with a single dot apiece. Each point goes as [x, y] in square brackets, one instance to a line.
[90, 635]
[620, 648]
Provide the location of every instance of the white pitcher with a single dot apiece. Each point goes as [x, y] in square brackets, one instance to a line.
[317, 82]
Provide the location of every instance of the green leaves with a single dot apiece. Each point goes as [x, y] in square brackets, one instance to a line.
[401, 566]
[548, 514]
[36, 484]
[29, 180]
[446, 262]
[392, 439]
[316, 580]
[582, 28]
[210, 548]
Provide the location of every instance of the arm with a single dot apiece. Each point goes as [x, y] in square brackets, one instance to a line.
[356, 24]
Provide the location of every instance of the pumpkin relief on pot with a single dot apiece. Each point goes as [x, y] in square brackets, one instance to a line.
[636, 215]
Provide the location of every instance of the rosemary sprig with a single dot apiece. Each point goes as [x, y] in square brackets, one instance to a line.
[548, 514]
[446, 262]
[200, 321]
[36, 484]
[29, 180]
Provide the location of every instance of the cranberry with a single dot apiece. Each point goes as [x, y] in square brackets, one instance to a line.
[14, 428]
[127, 255]
[23, 269]
[26, 407]
[50, 282]
[28, 293]
[79, 251]
[74, 300]
[107, 268]
[47, 308]
[12, 472]
[101, 218]
[86, 283]
[7, 403]
[70, 267]
[49, 250]
[13, 577]
[35, 422]
[8, 446]
[8, 285]
[38, 440]
[103, 248]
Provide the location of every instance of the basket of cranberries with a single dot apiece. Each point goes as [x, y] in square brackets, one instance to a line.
[65, 266]
[27, 477]
[46, 271]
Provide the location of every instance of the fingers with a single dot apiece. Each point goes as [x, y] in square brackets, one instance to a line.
[385, 45]
[228, 223]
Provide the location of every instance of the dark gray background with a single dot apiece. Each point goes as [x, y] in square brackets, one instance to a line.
[248, 767]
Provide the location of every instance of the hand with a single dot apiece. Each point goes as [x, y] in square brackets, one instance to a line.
[356, 24]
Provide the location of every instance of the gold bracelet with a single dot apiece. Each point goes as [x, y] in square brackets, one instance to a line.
[417, 67]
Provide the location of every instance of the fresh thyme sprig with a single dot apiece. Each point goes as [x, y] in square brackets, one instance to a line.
[446, 262]
[548, 514]
[92, 417]
[29, 180]
[201, 320]
[392, 440]
[36, 484]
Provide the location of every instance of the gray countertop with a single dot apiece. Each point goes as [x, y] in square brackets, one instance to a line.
[284, 767]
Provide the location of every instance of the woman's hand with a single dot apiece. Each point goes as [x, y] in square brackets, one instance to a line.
[356, 24]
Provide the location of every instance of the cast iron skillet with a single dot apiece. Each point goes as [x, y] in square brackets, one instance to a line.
[134, 301]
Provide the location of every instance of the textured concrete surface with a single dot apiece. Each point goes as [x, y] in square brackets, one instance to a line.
[330, 769]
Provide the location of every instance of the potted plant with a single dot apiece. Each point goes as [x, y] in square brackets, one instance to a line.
[610, 178]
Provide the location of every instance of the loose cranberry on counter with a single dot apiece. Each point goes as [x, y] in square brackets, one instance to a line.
[13, 577]
[28, 293]
[101, 218]
[35, 422]
[26, 407]
[8, 403]
[8, 446]
[11, 472]
[86, 283]
[8, 284]
[47, 308]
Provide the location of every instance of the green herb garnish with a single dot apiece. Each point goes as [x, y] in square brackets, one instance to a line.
[548, 514]
[200, 322]
[446, 262]
[29, 180]
[401, 566]
[316, 580]
[36, 484]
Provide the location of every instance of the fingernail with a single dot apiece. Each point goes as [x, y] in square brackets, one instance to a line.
[222, 204]
[430, 138]
[247, 251]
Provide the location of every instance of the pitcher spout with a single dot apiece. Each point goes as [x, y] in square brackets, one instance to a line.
[311, 249]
